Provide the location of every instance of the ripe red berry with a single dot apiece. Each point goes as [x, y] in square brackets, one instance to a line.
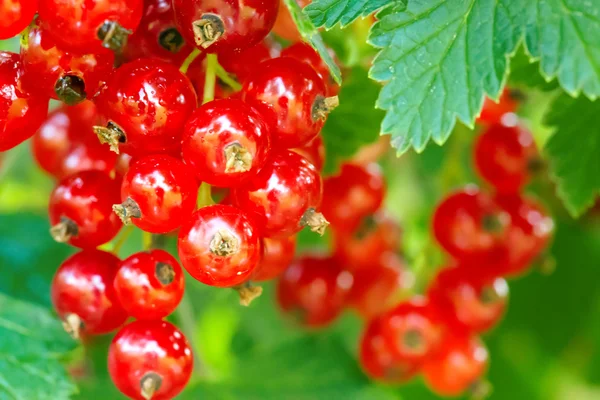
[493, 112]
[506, 156]
[225, 25]
[83, 293]
[219, 246]
[457, 367]
[468, 300]
[146, 104]
[88, 25]
[354, 194]
[314, 152]
[302, 51]
[225, 142]
[149, 284]
[20, 113]
[65, 143]
[81, 209]
[16, 16]
[314, 290]
[276, 257]
[292, 98]
[158, 193]
[284, 196]
[285, 27]
[243, 64]
[150, 360]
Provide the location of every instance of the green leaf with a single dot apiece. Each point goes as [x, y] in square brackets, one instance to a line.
[311, 35]
[32, 343]
[330, 12]
[354, 123]
[439, 58]
[573, 151]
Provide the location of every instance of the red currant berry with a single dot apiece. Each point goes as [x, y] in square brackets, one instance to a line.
[469, 225]
[146, 103]
[225, 25]
[83, 294]
[149, 285]
[219, 246]
[304, 52]
[314, 291]
[277, 256]
[150, 360]
[284, 196]
[379, 361]
[158, 192]
[356, 193]
[20, 114]
[157, 35]
[285, 26]
[81, 209]
[506, 156]
[457, 367]
[243, 64]
[493, 111]
[314, 152]
[65, 143]
[291, 97]
[225, 142]
[468, 300]
[16, 16]
[87, 25]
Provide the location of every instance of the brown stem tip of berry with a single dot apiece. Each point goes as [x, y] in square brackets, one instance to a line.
[70, 89]
[127, 210]
[112, 134]
[64, 230]
[248, 293]
[73, 325]
[149, 385]
[113, 35]
[208, 29]
[315, 221]
[237, 158]
[413, 340]
[164, 273]
[224, 243]
[323, 106]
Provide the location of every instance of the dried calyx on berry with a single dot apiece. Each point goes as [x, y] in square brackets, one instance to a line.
[112, 135]
[70, 89]
[113, 35]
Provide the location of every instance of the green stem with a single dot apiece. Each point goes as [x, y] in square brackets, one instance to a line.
[210, 78]
[189, 60]
[228, 79]
[204, 196]
[7, 161]
[125, 233]
[185, 316]
[146, 240]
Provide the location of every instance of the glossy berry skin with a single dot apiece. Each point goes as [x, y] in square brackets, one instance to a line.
[150, 359]
[83, 286]
[76, 25]
[314, 152]
[20, 113]
[149, 284]
[225, 142]
[65, 144]
[468, 300]
[313, 291]
[149, 101]
[164, 190]
[225, 25]
[304, 52]
[219, 246]
[457, 367]
[505, 156]
[290, 95]
[85, 200]
[45, 65]
[280, 194]
[16, 16]
[277, 255]
[354, 194]
[378, 360]
[492, 112]
[242, 64]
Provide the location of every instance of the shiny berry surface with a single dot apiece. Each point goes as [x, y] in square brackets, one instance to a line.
[16, 16]
[225, 25]
[302, 51]
[149, 285]
[149, 101]
[219, 246]
[225, 142]
[280, 195]
[20, 113]
[506, 156]
[65, 144]
[314, 152]
[493, 111]
[242, 64]
[276, 257]
[164, 191]
[83, 287]
[80, 209]
[291, 96]
[150, 360]
[313, 291]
